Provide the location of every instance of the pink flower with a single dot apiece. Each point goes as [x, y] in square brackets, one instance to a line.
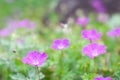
[102, 78]
[27, 24]
[91, 35]
[83, 21]
[60, 44]
[35, 58]
[21, 24]
[98, 5]
[114, 33]
[94, 50]
[4, 32]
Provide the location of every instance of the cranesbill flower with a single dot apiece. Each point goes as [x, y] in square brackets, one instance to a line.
[83, 21]
[5, 32]
[114, 33]
[94, 50]
[98, 5]
[102, 78]
[21, 24]
[91, 34]
[35, 58]
[27, 24]
[60, 44]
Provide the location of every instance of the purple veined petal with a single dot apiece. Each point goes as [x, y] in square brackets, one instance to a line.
[35, 58]
[93, 50]
[42, 56]
[91, 34]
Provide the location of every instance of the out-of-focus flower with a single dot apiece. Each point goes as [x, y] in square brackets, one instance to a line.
[60, 44]
[83, 21]
[5, 32]
[35, 58]
[98, 5]
[21, 24]
[94, 50]
[27, 24]
[102, 78]
[91, 35]
[102, 18]
[114, 33]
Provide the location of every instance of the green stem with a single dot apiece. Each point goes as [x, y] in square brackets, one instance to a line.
[93, 65]
[61, 64]
[38, 71]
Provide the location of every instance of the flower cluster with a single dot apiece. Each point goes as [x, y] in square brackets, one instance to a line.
[114, 33]
[35, 58]
[13, 25]
[91, 34]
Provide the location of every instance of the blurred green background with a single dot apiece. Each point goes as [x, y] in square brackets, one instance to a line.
[78, 66]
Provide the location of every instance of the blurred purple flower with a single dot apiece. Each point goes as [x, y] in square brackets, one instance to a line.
[91, 34]
[21, 24]
[83, 21]
[27, 24]
[114, 33]
[13, 25]
[60, 44]
[35, 58]
[4, 32]
[98, 5]
[102, 78]
[94, 50]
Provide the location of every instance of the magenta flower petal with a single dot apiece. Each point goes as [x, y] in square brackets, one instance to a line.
[4, 32]
[60, 44]
[114, 33]
[98, 5]
[102, 78]
[94, 50]
[91, 35]
[35, 58]
[83, 21]
[13, 25]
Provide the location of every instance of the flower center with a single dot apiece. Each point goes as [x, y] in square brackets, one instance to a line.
[61, 46]
[35, 62]
[95, 53]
